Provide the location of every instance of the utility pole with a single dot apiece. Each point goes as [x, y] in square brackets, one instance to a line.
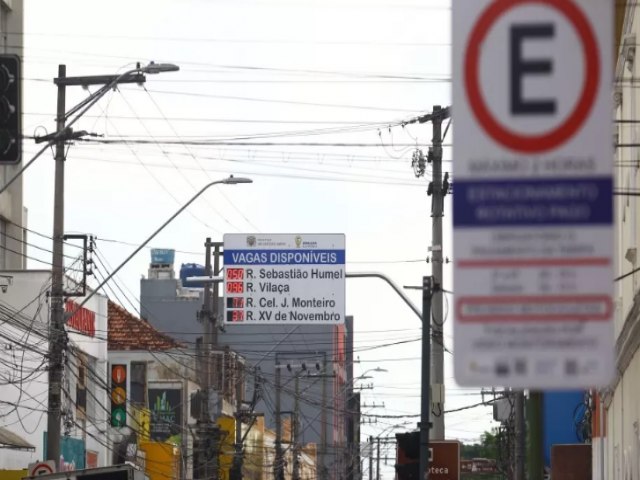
[206, 449]
[216, 295]
[57, 338]
[438, 189]
[425, 401]
[278, 470]
[437, 212]
[378, 459]
[534, 421]
[296, 430]
[323, 423]
[57, 334]
[520, 435]
[371, 458]
[236, 473]
[201, 464]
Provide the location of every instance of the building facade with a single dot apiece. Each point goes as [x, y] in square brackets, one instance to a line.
[13, 215]
[24, 308]
[161, 377]
[166, 303]
[305, 362]
[616, 446]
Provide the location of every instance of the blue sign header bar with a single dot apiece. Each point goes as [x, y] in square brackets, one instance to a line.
[576, 201]
[284, 257]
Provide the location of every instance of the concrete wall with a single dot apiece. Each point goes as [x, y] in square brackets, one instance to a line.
[177, 315]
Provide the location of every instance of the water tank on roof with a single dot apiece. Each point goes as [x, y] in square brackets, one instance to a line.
[162, 256]
[191, 270]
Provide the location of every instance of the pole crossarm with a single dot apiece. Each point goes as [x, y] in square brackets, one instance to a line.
[439, 115]
[132, 77]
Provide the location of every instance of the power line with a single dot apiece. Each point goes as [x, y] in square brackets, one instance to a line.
[142, 141]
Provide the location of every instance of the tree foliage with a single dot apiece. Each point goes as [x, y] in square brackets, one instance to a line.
[487, 448]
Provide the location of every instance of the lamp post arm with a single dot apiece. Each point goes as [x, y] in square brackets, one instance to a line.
[398, 290]
[92, 99]
[143, 244]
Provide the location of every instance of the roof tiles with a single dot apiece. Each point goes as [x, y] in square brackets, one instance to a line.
[128, 332]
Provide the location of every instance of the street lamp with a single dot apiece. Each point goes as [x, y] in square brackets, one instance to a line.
[63, 133]
[134, 75]
[377, 369]
[231, 180]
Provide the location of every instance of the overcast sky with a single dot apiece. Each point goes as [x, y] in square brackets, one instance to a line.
[282, 73]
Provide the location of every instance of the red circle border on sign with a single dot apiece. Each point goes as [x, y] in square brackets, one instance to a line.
[36, 468]
[558, 136]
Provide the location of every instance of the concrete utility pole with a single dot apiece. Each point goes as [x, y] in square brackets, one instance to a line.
[208, 432]
[425, 405]
[57, 334]
[278, 470]
[371, 458]
[534, 422]
[201, 466]
[323, 424]
[296, 429]
[378, 459]
[57, 338]
[437, 212]
[438, 189]
[238, 456]
[520, 435]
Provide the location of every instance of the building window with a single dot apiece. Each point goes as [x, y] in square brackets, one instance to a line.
[138, 387]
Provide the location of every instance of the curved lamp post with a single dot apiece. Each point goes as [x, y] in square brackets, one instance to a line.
[231, 180]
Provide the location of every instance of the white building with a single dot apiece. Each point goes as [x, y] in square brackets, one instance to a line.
[160, 376]
[620, 457]
[13, 215]
[24, 315]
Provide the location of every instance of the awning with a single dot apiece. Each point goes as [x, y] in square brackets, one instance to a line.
[8, 439]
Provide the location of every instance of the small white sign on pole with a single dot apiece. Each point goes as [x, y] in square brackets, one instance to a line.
[533, 193]
[284, 278]
[44, 467]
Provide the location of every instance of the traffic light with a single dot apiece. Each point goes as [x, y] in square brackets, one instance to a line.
[118, 395]
[408, 456]
[10, 110]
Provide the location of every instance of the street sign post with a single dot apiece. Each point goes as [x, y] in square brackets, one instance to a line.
[41, 468]
[284, 279]
[533, 207]
[444, 460]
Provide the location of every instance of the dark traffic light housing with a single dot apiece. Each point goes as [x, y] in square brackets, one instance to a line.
[10, 110]
[408, 456]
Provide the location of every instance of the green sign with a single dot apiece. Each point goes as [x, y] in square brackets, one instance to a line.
[166, 414]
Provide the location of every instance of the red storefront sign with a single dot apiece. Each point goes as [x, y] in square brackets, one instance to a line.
[83, 320]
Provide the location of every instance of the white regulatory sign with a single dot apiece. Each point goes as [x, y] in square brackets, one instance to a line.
[533, 201]
[284, 278]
